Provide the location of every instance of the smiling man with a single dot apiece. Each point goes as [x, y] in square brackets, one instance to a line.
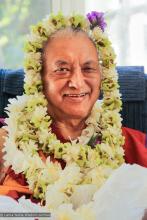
[71, 78]
[59, 138]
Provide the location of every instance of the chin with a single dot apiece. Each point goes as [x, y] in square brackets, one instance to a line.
[78, 114]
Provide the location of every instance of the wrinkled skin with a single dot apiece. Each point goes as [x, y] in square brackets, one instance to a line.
[71, 78]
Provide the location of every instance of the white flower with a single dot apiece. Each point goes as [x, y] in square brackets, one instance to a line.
[106, 149]
[32, 77]
[95, 114]
[110, 73]
[43, 135]
[70, 174]
[97, 176]
[34, 56]
[72, 152]
[19, 163]
[87, 133]
[28, 147]
[87, 212]
[82, 194]
[54, 197]
[64, 185]
[34, 38]
[66, 212]
[51, 172]
[38, 115]
[50, 28]
[97, 33]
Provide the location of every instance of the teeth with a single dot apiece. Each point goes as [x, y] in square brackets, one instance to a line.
[76, 95]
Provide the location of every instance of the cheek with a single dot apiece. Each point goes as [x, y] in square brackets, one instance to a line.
[53, 90]
[95, 84]
[96, 89]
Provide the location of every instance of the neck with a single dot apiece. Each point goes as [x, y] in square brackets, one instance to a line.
[70, 129]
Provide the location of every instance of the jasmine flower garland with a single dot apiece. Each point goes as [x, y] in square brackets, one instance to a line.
[88, 161]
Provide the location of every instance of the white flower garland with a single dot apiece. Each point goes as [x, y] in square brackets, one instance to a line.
[88, 164]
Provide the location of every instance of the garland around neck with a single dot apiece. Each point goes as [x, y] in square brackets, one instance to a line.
[88, 161]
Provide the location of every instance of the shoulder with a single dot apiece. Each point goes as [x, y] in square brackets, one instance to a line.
[135, 146]
[132, 132]
[135, 137]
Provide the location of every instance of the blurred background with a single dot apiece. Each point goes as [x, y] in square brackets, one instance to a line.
[126, 19]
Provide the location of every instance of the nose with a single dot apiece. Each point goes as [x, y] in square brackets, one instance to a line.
[76, 79]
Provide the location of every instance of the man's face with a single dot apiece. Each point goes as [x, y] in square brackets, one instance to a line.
[72, 77]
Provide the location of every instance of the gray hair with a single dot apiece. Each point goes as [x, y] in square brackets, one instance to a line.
[63, 32]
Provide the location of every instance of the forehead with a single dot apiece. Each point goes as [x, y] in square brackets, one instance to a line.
[77, 46]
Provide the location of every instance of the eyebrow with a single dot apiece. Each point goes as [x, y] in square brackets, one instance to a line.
[90, 62]
[61, 62]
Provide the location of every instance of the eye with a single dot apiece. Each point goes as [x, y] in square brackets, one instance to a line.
[62, 70]
[88, 69]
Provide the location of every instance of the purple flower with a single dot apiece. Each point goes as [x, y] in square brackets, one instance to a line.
[94, 140]
[97, 19]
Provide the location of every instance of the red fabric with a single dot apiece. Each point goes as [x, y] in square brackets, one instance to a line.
[135, 146]
[59, 136]
[20, 178]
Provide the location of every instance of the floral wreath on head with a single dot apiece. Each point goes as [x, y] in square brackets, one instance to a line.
[89, 162]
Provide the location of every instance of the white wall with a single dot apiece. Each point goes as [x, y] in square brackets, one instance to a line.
[68, 6]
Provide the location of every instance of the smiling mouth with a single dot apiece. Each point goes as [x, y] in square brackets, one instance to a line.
[76, 95]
